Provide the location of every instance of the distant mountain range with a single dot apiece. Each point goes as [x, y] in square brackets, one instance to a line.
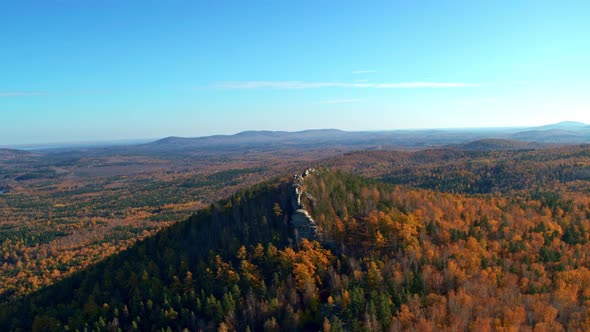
[252, 137]
[312, 139]
[493, 138]
[563, 133]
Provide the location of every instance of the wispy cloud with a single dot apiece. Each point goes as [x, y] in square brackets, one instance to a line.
[340, 101]
[19, 94]
[294, 85]
[366, 71]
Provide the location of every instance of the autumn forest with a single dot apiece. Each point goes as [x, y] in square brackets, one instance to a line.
[438, 239]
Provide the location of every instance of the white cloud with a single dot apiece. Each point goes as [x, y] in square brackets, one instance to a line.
[293, 85]
[19, 94]
[357, 72]
[340, 101]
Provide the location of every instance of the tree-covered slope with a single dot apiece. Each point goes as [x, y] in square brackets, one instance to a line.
[388, 257]
[122, 286]
[473, 171]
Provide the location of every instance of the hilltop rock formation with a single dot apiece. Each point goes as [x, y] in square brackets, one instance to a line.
[301, 220]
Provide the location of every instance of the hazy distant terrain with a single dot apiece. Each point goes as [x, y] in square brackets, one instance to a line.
[260, 141]
[69, 207]
[561, 133]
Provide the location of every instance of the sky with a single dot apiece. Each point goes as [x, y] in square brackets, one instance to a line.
[90, 70]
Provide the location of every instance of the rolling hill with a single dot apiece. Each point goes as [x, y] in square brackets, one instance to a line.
[13, 153]
[488, 139]
[566, 125]
[314, 139]
[500, 144]
[380, 257]
[332, 139]
[473, 171]
[553, 136]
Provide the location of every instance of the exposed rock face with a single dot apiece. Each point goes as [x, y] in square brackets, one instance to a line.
[304, 225]
[301, 220]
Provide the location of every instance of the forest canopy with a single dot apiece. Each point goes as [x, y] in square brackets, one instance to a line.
[386, 256]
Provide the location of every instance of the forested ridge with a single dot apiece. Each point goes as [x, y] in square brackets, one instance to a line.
[475, 171]
[60, 213]
[388, 257]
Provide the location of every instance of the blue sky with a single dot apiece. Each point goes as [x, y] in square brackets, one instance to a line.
[89, 70]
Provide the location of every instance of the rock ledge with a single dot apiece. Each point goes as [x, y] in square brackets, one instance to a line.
[301, 220]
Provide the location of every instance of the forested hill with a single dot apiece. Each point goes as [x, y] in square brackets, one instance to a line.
[475, 172]
[388, 257]
[159, 282]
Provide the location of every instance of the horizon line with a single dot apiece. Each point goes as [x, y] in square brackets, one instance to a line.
[121, 141]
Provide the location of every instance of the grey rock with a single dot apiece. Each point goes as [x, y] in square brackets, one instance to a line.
[302, 222]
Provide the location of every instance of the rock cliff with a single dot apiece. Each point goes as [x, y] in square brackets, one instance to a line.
[303, 224]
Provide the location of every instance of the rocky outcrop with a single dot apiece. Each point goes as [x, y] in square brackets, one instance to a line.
[301, 221]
